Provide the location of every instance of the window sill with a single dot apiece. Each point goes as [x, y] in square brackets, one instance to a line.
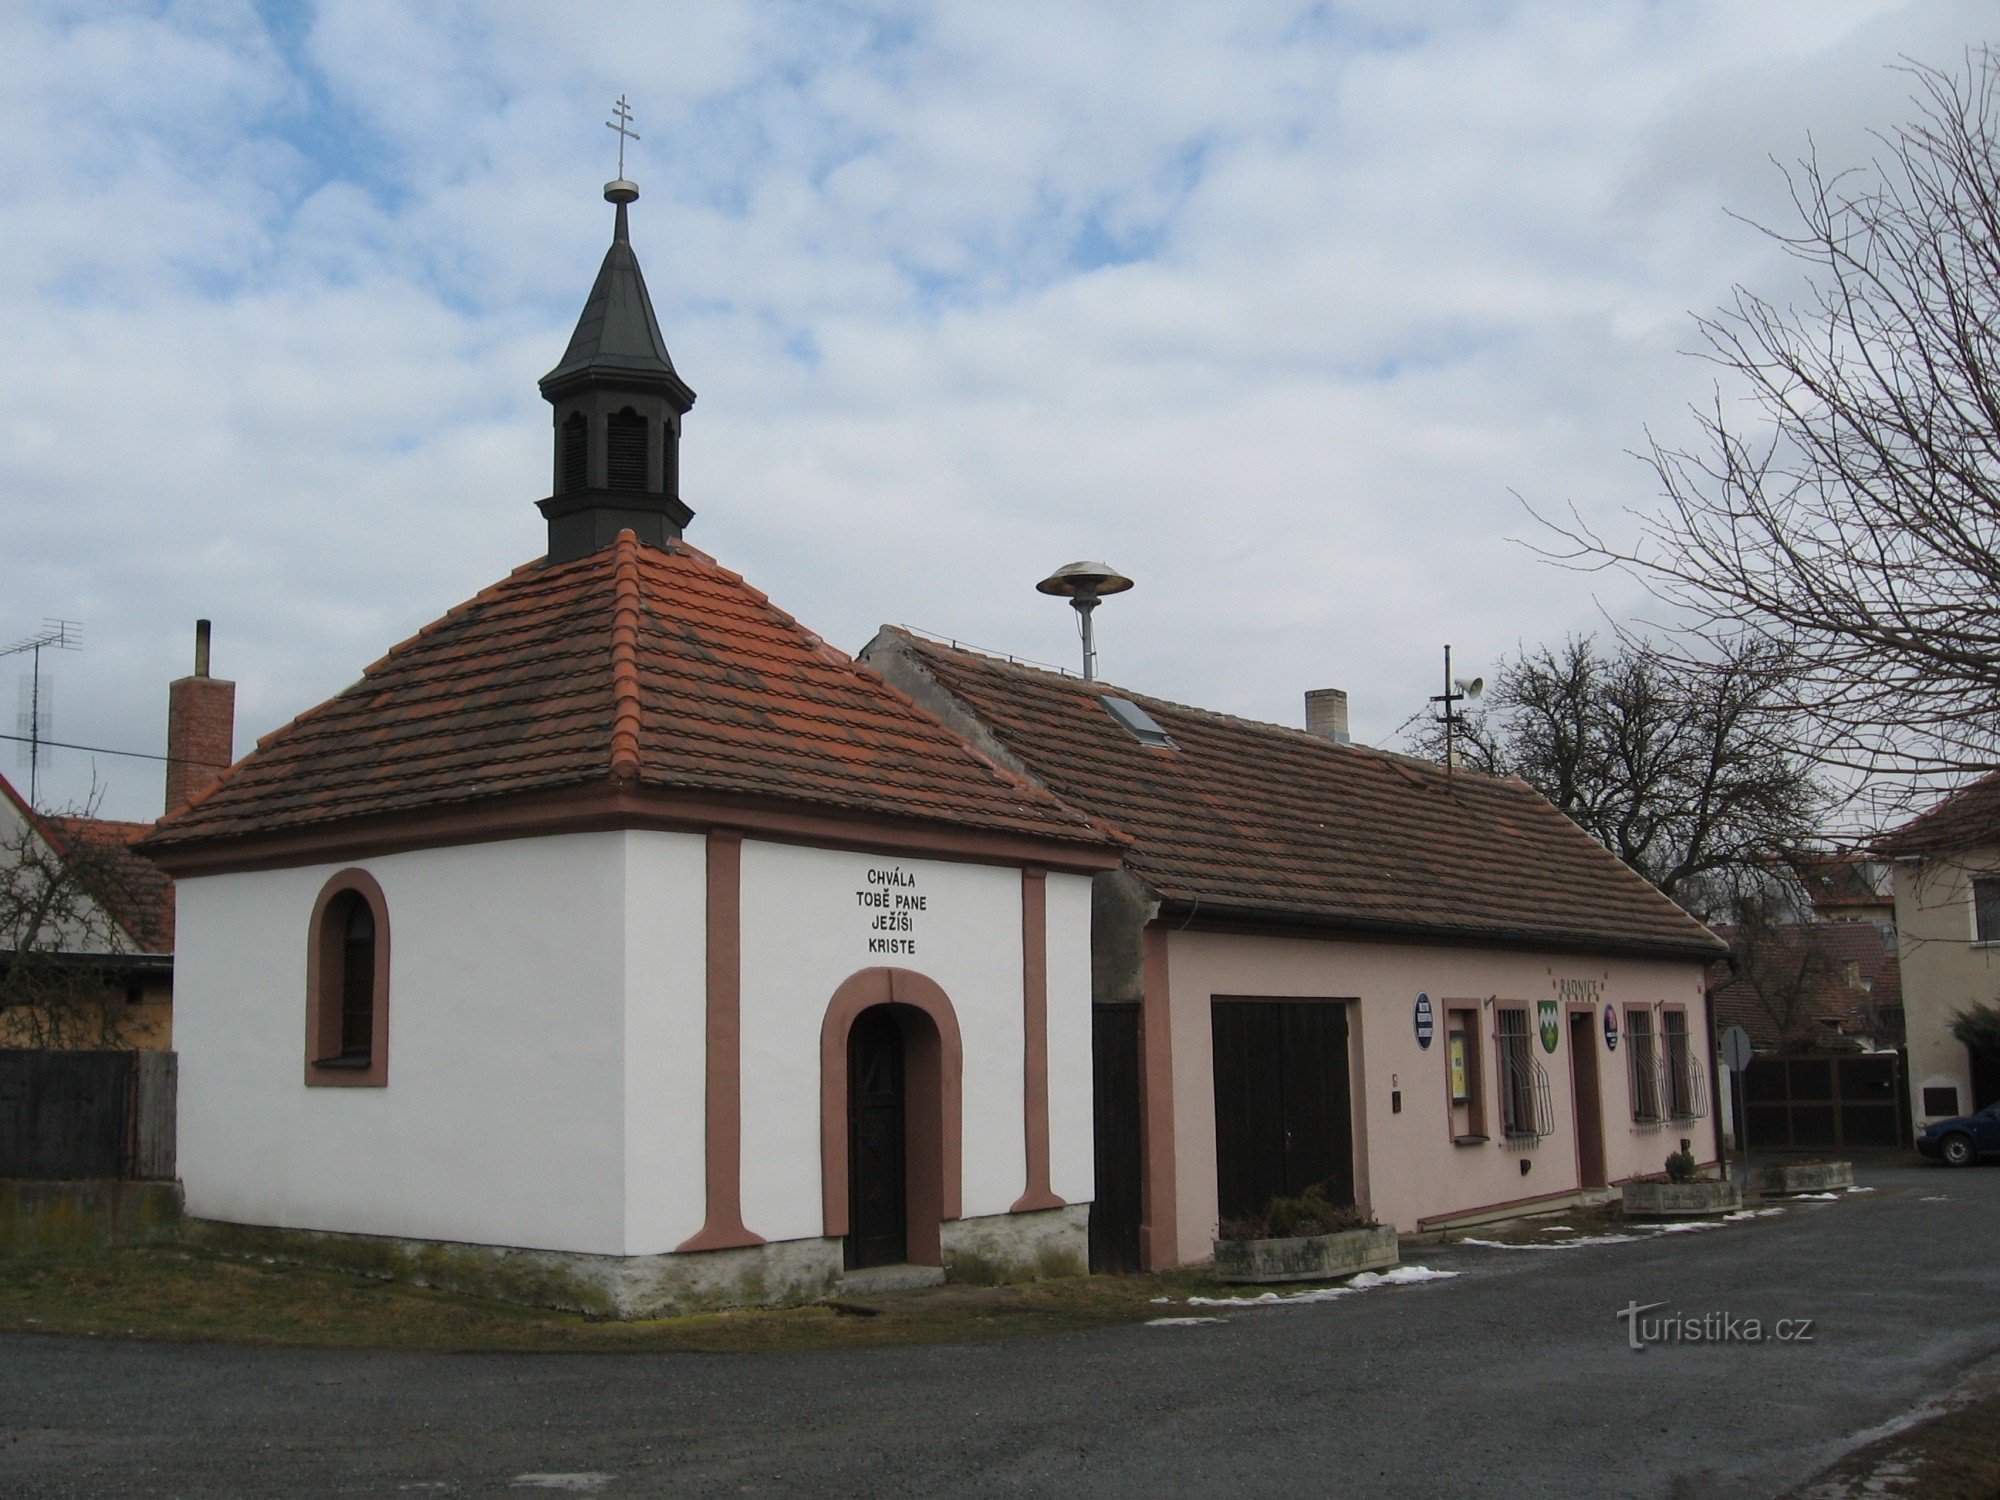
[1470, 1140]
[356, 1064]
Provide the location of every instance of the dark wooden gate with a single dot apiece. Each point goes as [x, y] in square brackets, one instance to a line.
[86, 1114]
[1822, 1103]
[878, 1222]
[1589, 1100]
[1282, 1119]
[1985, 1078]
[1114, 1071]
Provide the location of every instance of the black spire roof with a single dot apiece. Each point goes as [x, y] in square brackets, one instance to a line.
[618, 337]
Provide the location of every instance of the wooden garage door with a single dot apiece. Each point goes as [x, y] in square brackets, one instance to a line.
[1282, 1121]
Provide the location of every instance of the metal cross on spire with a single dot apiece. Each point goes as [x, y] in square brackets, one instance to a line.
[623, 125]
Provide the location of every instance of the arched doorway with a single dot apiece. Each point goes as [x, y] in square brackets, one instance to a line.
[877, 1163]
[891, 1118]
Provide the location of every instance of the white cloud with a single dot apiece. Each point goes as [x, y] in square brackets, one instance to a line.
[1271, 305]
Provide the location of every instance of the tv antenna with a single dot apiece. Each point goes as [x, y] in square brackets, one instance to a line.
[55, 635]
[1456, 691]
[1085, 585]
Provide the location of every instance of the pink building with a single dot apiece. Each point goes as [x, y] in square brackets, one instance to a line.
[1324, 964]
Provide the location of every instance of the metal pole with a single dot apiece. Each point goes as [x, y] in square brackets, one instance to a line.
[1085, 603]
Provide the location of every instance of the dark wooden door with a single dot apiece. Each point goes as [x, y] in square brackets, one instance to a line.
[1114, 1069]
[877, 1229]
[1589, 1101]
[1282, 1116]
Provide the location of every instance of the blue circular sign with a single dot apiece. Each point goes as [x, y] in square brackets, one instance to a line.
[1425, 1025]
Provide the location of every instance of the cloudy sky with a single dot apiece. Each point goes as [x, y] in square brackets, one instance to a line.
[1278, 307]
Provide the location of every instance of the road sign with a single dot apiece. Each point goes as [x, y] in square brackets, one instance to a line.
[1736, 1049]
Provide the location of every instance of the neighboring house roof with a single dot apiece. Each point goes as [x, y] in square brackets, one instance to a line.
[1261, 822]
[1968, 817]
[637, 666]
[136, 893]
[1845, 884]
[1849, 974]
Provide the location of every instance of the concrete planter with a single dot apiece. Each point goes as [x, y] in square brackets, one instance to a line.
[1680, 1200]
[1805, 1177]
[1311, 1257]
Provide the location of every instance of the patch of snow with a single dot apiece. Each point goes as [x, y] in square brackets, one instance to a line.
[1181, 1322]
[1861, 1190]
[581, 1484]
[1159, 1299]
[1815, 1197]
[1575, 1244]
[1940, 1198]
[1559, 1229]
[1683, 1226]
[1751, 1213]
[1398, 1276]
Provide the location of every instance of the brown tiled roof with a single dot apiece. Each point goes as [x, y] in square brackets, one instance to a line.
[1969, 817]
[651, 667]
[1260, 821]
[138, 893]
[1830, 1005]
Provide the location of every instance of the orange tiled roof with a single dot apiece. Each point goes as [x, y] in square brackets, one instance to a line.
[138, 893]
[1263, 822]
[651, 666]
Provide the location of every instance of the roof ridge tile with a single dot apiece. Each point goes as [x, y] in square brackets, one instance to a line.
[625, 658]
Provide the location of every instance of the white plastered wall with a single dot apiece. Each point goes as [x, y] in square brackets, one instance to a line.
[1407, 1168]
[805, 930]
[666, 1029]
[1072, 1142]
[1945, 969]
[504, 1117]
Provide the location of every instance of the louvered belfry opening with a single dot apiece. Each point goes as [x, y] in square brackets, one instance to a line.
[575, 453]
[625, 450]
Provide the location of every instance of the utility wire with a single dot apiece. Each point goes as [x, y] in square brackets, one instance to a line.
[176, 760]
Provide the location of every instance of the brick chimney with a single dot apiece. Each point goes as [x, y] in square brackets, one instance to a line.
[1326, 715]
[201, 728]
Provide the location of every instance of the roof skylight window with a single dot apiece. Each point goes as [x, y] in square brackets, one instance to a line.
[1138, 723]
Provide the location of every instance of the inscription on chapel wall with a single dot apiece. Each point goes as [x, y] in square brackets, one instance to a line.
[893, 907]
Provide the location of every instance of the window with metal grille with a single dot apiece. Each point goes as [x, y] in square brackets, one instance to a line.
[1687, 1088]
[1986, 910]
[625, 451]
[1643, 1060]
[574, 452]
[1522, 1082]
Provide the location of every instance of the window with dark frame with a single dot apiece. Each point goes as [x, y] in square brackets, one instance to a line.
[1643, 1061]
[347, 985]
[1986, 908]
[1517, 1084]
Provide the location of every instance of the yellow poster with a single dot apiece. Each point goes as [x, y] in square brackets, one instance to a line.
[1455, 1052]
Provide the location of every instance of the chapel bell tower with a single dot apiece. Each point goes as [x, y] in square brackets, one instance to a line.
[618, 409]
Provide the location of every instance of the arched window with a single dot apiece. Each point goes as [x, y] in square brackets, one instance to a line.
[574, 453]
[625, 451]
[347, 984]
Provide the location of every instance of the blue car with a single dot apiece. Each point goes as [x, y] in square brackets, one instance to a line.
[1962, 1141]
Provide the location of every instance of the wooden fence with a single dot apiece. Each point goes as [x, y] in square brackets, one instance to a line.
[66, 1115]
[1824, 1102]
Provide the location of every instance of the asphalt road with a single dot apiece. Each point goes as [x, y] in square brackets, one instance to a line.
[1513, 1378]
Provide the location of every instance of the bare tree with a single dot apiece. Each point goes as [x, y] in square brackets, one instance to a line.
[60, 945]
[1849, 524]
[1690, 777]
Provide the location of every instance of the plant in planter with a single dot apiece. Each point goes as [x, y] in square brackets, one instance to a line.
[1680, 1192]
[1306, 1238]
